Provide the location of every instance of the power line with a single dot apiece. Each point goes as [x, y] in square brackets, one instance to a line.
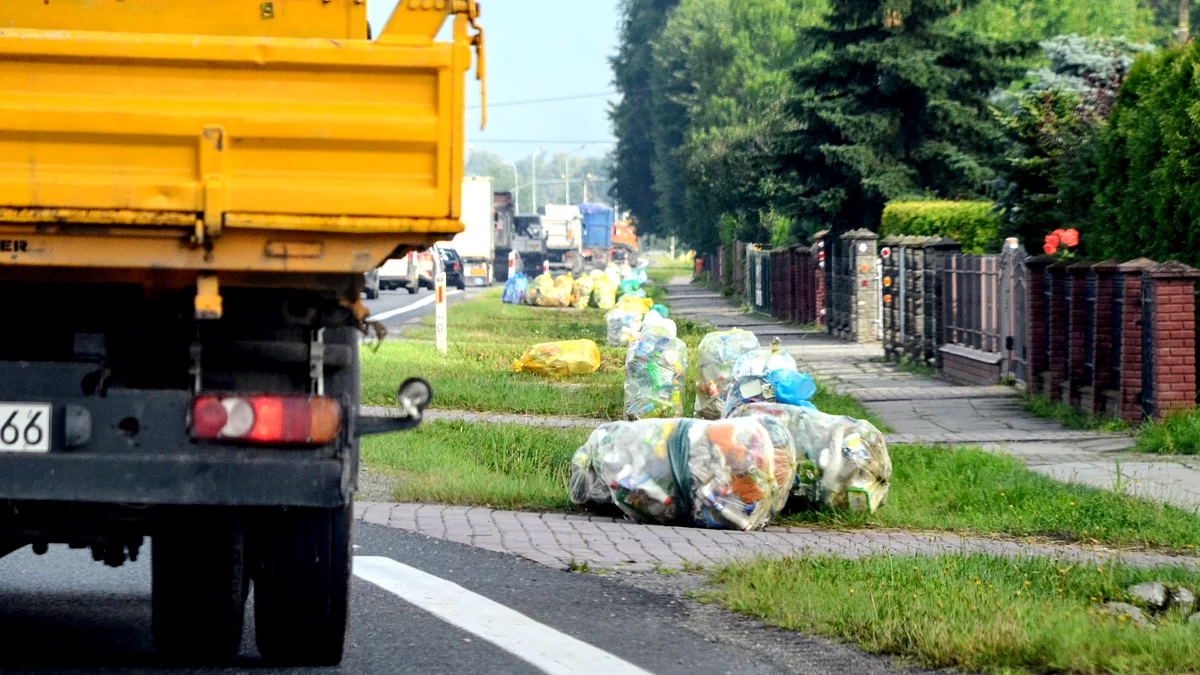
[546, 100]
[473, 141]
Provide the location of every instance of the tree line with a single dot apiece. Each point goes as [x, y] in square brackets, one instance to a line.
[771, 119]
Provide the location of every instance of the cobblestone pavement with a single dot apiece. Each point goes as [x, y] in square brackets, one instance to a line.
[564, 541]
[925, 409]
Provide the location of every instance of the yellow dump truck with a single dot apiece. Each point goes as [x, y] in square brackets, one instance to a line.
[190, 193]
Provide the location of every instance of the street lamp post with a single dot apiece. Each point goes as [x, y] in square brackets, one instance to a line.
[567, 175]
[535, 206]
[516, 189]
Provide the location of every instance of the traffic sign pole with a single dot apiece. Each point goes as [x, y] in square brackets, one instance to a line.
[439, 301]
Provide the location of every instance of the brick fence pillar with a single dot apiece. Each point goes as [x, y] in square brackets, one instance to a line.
[1174, 337]
[1130, 386]
[1077, 327]
[1035, 319]
[1092, 397]
[864, 297]
[1056, 330]
[820, 277]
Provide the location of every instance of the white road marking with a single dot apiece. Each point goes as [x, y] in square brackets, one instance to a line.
[535, 643]
[423, 302]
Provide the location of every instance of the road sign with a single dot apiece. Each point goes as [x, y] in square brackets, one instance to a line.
[439, 302]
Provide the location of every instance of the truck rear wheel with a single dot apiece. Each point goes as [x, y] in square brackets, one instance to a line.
[302, 585]
[199, 588]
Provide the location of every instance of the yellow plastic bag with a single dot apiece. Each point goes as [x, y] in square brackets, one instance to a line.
[581, 295]
[604, 294]
[638, 306]
[539, 287]
[560, 359]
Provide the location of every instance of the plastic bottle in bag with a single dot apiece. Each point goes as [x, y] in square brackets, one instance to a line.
[655, 366]
[716, 356]
[842, 462]
[756, 373]
[622, 327]
[560, 359]
[654, 319]
[730, 474]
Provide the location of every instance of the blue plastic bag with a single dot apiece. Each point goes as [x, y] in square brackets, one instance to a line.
[514, 289]
[792, 388]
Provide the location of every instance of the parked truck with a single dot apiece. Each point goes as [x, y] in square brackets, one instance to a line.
[563, 229]
[520, 243]
[476, 244]
[190, 195]
[597, 232]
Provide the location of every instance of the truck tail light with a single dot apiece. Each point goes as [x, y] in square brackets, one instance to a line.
[266, 419]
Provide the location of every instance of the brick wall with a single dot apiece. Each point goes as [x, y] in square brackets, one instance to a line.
[1174, 337]
[1035, 317]
[969, 366]
[1056, 330]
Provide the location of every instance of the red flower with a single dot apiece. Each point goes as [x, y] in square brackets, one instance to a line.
[1052, 241]
[1070, 238]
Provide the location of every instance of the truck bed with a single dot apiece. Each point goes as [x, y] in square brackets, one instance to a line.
[156, 149]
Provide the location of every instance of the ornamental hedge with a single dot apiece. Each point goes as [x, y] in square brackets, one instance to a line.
[1147, 191]
[972, 224]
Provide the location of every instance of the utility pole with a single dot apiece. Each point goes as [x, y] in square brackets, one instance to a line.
[1183, 34]
[535, 202]
[567, 175]
[516, 189]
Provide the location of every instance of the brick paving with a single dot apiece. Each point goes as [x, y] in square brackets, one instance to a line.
[562, 540]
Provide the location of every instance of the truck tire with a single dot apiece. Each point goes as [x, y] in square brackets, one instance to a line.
[302, 586]
[412, 290]
[372, 293]
[199, 588]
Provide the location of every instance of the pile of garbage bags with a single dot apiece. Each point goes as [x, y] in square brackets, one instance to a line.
[726, 474]
[514, 289]
[560, 359]
[843, 462]
[768, 376]
[655, 366]
[717, 353]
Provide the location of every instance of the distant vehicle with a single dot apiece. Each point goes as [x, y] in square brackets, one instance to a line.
[624, 241]
[455, 275]
[476, 244]
[597, 232]
[371, 287]
[563, 226]
[520, 244]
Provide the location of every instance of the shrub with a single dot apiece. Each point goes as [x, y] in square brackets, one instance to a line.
[972, 224]
[1148, 186]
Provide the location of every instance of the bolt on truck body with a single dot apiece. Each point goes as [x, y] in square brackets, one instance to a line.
[190, 194]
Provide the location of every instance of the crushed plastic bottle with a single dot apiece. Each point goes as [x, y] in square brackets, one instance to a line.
[622, 327]
[655, 366]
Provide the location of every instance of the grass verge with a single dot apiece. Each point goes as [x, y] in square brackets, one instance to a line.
[1177, 434]
[1069, 417]
[507, 466]
[970, 490]
[976, 613]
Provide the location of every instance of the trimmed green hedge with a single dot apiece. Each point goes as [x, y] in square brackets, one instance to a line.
[972, 224]
[1147, 197]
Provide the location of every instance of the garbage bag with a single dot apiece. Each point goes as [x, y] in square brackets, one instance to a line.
[564, 281]
[639, 293]
[655, 366]
[539, 287]
[842, 462]
[754, 372]
[728, 474]
[791, 387]
[560, 359]
[557, 293]
[604, 294]
[581, 294]
[717, 353]
[630, 286]
[637, 305]
[655, 320]
[622, 326]
[514, 289]
[661, 309]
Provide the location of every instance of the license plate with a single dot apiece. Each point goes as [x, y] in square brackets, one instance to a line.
[25, 427]
[479, 282]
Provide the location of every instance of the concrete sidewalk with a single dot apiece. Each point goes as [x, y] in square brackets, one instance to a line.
[923, 409]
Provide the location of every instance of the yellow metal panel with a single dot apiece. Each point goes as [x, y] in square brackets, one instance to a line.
[280, 18]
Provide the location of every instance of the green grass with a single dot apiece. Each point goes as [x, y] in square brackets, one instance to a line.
[974, 613]
[1070, 417]
[832, 403]
[1177, 434]
[912, 366]
[500, 465]
[969, 490]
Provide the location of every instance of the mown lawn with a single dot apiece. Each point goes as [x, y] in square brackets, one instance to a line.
[974, 613]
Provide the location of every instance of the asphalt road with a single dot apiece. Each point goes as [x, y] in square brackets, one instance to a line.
[396, 308]
[451, 609]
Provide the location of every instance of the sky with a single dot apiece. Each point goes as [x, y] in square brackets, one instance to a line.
[538, 49]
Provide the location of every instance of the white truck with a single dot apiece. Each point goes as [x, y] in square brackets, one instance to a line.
[476, 244]
[563, 229]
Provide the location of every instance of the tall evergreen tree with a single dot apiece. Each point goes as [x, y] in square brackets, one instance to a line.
[894, 104]
[633, 65]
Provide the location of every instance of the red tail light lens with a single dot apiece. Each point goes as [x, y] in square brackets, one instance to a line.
[266, 419]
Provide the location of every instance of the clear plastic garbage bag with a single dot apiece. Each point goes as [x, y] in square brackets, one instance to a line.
[761, 375]
[842, 462]
[655, 367]
[560, 359]
[716, 356]
[514, 289]
[655, 320]
[541, 284]
[622, 327]
[728, 474]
